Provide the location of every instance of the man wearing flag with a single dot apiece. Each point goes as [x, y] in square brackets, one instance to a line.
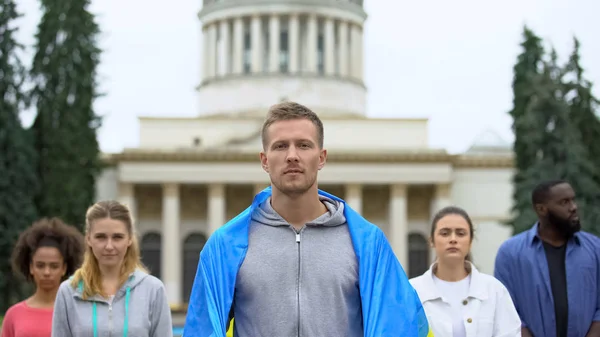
[299, 261]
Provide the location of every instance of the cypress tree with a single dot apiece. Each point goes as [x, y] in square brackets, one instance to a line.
[583, 114]
[526, 130]
[560, 154]
[17, 156]
[64, 74]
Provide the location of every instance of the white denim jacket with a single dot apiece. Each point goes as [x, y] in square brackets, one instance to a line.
[490, 311]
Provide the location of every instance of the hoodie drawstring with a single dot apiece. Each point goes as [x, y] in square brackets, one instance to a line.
[126, 322]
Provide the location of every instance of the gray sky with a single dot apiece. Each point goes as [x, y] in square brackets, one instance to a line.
[450, 61]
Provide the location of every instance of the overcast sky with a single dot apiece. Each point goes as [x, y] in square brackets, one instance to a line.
[449, 61]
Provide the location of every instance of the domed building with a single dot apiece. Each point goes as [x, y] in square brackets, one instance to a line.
[257, 53]
[189, 176]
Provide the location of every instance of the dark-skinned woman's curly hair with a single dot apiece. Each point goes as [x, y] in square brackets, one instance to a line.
[48, 233]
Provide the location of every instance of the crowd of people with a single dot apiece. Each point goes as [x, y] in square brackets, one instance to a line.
[301, 262]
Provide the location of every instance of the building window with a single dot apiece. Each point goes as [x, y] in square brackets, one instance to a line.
[247, 52]
[192, 246]
[418, 255]
[150, 250]
[284, 52]
[320, 54]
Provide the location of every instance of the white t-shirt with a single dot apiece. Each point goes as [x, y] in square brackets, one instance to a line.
[455, 293]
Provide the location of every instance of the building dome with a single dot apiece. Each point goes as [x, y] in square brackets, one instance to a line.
[488, 142]
[259, 52]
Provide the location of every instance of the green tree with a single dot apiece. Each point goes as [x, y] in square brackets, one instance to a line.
[17, 156]
[527, 132]
[583, 107]
[584, 117]
[64, 75]
[561, 154]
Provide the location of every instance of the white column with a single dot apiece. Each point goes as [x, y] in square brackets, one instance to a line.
[359, 53]
[171, 243]
[399, 223]
[256, 44]
[354, 197]
[274, 33]
[225, 57]
[237, 64]
[205, 54]
[294, 41]
[356, 51]
[311, 50]
[259, 188]
[441, 198]
[127, 198]
[212, 50]
[343, 50]
[329, 46]
[216, 207]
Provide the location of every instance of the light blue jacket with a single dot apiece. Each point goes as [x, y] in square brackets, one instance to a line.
[139, 309]
[390, 305]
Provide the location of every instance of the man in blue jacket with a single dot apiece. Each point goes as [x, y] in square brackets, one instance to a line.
[300, 262]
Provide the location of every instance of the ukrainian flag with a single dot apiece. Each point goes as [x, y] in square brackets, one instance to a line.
[424, 329]
[391, 306]
[230, 331]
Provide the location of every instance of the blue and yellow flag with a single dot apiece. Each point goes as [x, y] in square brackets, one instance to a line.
[390, 305]
[230, 330]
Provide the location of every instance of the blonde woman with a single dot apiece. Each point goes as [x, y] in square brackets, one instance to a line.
[111, 294]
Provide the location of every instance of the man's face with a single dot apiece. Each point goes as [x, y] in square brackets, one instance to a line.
[292, 156]
[561, 209]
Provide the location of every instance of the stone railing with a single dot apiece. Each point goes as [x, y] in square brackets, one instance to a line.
[212, 2]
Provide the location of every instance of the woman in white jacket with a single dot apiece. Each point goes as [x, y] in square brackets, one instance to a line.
[459, 300]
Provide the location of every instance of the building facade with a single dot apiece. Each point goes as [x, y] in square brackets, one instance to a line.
[189, 176]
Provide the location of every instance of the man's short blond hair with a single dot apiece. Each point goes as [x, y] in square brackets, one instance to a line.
[288, 111]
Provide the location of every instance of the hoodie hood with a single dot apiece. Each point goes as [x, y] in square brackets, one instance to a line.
[266, 215]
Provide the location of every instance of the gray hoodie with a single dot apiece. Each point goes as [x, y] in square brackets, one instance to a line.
[139, 309]
[298, 283]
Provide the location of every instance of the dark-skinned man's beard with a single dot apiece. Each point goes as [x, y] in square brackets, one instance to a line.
[567, 227]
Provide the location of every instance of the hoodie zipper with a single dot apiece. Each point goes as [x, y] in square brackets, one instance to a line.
[110, 305]
[110, 325]
[298, 276]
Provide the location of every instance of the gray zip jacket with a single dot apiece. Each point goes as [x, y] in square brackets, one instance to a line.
[298, 283]
[139, 309]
